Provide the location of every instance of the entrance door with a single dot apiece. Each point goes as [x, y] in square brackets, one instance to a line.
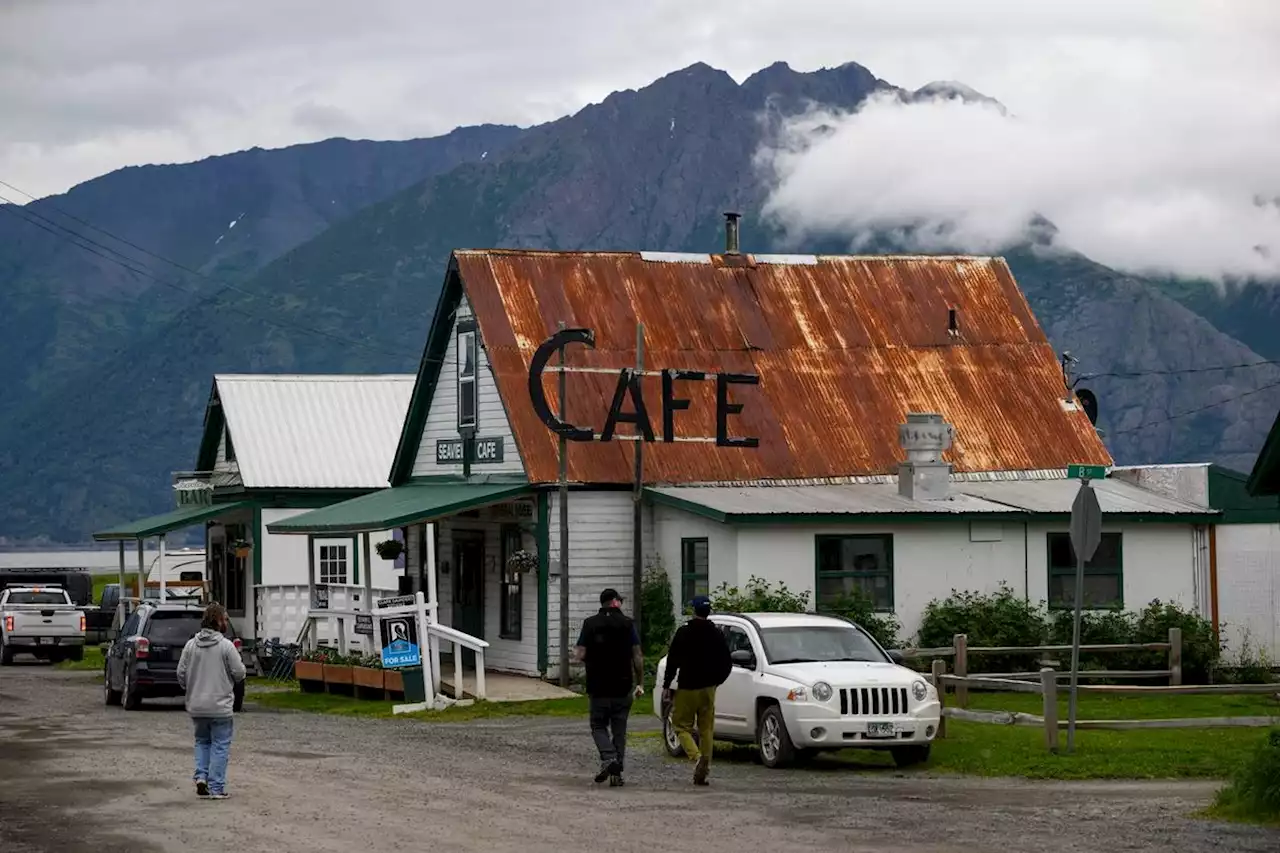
[468, 587]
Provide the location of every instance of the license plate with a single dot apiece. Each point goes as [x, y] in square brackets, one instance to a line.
[879, 729]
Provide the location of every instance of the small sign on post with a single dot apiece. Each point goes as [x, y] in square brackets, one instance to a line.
[1086, 534]
[364, 624]
[1086, 472]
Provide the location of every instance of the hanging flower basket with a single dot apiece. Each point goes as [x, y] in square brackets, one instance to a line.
[389, 549]
[522, 562]
[241, 547]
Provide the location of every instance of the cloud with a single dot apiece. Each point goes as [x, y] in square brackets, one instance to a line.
[1157, 157]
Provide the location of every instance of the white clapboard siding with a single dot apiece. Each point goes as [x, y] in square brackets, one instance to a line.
[442, 417]
[600, 555]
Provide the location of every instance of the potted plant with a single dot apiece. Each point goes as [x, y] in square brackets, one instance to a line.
[338, 673]
[366, 675]
[389, 549]
[241, 547]
[309, 669]
[522, 561]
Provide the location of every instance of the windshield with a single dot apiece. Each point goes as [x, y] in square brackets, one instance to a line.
[173, 629]
[37, 598]
[810, 644]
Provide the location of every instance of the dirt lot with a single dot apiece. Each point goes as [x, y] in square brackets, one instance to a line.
[76, 776]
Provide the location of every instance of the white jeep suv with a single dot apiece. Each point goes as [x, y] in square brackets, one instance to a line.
[801, 683]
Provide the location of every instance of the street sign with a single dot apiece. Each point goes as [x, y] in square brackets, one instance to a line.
[1086, 523]
[1086, 472]
[400, 651]
[364, 624]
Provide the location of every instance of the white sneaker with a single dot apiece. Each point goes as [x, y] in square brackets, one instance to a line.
[220, 796]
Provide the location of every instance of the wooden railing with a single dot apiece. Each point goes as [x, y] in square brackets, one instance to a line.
[1049, 689]
[960, 651]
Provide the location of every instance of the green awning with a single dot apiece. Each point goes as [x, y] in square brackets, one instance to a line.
[155, 525]
[410, 504]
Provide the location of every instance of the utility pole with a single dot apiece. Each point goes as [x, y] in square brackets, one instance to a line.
[564, 531]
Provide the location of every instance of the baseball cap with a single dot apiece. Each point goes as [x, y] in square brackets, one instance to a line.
[701, 605]
[610, 594]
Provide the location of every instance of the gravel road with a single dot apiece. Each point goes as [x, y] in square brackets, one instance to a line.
[77, 776]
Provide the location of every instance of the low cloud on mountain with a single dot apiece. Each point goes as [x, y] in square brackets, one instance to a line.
[1159, 160]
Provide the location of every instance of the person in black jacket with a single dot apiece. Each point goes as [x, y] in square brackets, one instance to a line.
[610, 647]
[700, 655]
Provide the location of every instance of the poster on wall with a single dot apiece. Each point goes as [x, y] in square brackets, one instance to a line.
[320, 597]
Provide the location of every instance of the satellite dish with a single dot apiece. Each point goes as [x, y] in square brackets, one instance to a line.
[1088, 402]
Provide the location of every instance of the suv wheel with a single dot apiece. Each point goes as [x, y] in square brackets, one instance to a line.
[132, 699]
[669, 736]
[909, 756]
[776, 749]
[109, 696]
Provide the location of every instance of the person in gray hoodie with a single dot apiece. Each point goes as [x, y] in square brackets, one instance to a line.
[208, 671]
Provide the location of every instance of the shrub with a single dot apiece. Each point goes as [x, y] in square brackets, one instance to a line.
[1109, 628]
[657, 611]
[758, 596]
[885, 627]
[1250, 665]
[1200, 648]
[1254, 790]
[1000, 618]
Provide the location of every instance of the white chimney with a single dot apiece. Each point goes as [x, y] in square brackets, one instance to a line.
[924, 476]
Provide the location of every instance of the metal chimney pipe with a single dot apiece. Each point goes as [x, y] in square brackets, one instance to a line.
[731, 233]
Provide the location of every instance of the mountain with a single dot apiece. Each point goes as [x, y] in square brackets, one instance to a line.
[646, 169]
[220, 219]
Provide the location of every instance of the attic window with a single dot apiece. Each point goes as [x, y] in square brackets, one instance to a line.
[467, 361]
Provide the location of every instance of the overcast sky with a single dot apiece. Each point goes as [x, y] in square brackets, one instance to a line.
[1142, 128]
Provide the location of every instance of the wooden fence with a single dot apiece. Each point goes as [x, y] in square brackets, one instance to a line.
[1048, 688]
[960, 651]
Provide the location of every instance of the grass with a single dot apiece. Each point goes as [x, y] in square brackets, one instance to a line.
[100, 582]
[92, 661]
[346, 706]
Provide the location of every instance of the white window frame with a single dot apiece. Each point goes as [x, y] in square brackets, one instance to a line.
[467, 343]
[333, 558]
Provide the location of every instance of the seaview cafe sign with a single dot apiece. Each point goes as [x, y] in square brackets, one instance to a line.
[629, 387]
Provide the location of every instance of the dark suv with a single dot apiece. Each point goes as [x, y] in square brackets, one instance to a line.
[142, 662]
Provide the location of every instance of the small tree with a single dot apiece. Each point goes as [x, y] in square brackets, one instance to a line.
[658, 607]
[857, 606]
[758, 596]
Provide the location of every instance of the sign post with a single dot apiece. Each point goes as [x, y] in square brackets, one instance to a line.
[1086, 533]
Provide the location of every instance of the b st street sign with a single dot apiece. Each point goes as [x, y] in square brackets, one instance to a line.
[629, 386]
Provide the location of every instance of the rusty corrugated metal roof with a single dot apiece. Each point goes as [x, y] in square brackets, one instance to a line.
[844, 346]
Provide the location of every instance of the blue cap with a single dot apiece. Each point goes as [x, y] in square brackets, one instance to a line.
[701, 605]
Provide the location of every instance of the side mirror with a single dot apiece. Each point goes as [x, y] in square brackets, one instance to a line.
[743, 658]
[897, 657]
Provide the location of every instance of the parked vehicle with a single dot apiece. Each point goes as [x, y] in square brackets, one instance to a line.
[100, 617]
[142, 662]
[803, 683]
[41, 621]
[77, 582]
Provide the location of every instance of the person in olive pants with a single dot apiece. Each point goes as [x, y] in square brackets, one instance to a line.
[699, 654]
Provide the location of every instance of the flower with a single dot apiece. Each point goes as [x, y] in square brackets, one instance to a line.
[522, 561]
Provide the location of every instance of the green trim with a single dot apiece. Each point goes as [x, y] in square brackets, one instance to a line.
[145, 528]
[886, 539]
[391, 508]
[355, 560]
[544, 558]
[1229, 493]
[1264, 479]
[1052, 571]
[424, 387]
[258, 537]
[686, 505]
[686, 575]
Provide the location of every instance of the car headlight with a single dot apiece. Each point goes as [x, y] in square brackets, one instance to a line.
[919, 690]
[797, 694]
[822, 691]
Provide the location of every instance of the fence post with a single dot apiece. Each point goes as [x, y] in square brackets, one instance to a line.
[1049, 690]
[1175, 656]
[961, 643]
[939, 670]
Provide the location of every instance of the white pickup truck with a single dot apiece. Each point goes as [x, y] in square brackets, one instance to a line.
[41, 621]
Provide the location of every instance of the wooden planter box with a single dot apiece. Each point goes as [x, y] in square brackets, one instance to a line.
[338, 679]
[393, 681]
[367, 682]
[310, 675]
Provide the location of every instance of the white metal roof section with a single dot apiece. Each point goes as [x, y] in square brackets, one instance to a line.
[314, 432]
[1038, 496]
[675, 257]
[798, 260]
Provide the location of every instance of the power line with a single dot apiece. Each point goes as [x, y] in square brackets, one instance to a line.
[1177, 371]
[22, 213]
[1199, 409]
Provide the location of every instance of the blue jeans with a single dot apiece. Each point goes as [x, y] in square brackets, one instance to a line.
[213, 748]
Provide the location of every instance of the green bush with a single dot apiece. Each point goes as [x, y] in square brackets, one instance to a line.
[1254, 791]
[885, 627]
[1249, 665]
[657, 612]
[758, 596]
[1000, 618]
[1096, 629]
[1200, 648]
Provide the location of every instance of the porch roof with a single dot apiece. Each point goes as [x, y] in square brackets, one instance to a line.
[177, 519]
[409, 504]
